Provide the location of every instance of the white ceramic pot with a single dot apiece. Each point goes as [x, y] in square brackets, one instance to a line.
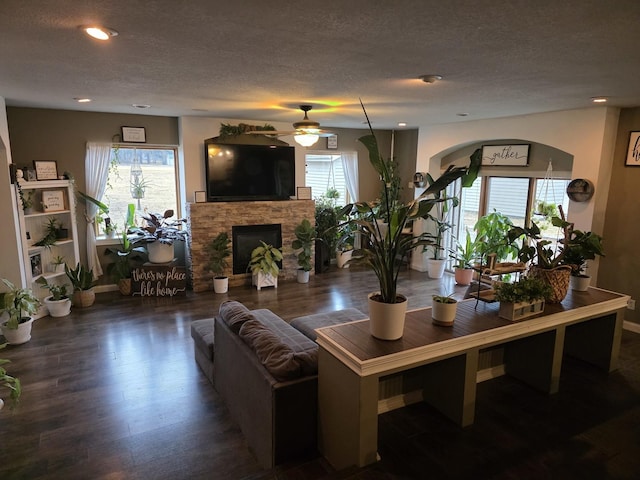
[220, 284]
[435, 268]
[581, 283]
[386, 320]
[463, 276]
[20, 335]
[303, 276]
[160, 252]
[343, 257]
[443, 313]
[58, 308]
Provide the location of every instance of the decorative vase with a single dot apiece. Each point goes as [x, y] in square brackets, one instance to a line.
[20, 335]
[220, 284]
[435, 268]
[386, 320]
[558, 278]
[83, 298]
[343, 257]
[303, 276]
[58, 308]
[463, 276]
[443, 314]
[580, 283]
[160, 252]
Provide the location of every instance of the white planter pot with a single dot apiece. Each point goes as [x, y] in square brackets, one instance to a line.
[581, 284]
[343, 257]
[264, 280]
[20, 335]
[160, 252]
[463, 276]
[386, 320]
[443, 314]
[303, 276]
[220, 284]
[435, 268]
[58, 308]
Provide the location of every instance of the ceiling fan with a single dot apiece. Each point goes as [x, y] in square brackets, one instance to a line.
[306, 133]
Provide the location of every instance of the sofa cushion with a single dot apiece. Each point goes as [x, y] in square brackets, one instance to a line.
[234, 314]
[286, 357]
[202, 334]
[309, 323]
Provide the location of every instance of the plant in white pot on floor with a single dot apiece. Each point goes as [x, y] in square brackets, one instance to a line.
[385, 250]
[443, 310]
[158, 235]
[19, 305]
[264, 265]
[302, 244]
[464, 257]
[81, 279]
[218, 250]
[58, 303]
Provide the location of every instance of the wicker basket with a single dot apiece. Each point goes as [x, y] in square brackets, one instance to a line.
[558, 278]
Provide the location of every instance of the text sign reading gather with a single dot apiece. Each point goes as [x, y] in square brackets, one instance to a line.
[158, 281]
[511, 155]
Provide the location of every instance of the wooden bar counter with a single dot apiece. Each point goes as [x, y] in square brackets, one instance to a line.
[586, 325]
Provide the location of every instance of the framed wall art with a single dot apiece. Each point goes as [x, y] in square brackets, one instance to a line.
[46, 169]
[633, 151]
[52, 201]
[134, 135]
[505, 155]
[36, 264]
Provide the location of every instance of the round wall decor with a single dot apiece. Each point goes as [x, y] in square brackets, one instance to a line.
[580, 190]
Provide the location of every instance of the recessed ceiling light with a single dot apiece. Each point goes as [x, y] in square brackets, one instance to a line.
[599, 99]
[82, 100]
[100, 33]
[462, 114]
[430, 78]
[140, 105]
[402, 124]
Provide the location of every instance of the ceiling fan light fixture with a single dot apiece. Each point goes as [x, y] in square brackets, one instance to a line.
[306, 139]
[430, 78]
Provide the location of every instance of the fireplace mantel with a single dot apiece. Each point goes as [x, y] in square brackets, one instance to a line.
[206, 220]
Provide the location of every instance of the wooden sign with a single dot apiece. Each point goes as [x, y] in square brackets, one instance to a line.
[505, 155]
[160, 281]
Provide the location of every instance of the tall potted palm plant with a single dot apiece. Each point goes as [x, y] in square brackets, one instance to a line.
[385, 246]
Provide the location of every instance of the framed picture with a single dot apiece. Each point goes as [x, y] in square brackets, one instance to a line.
[633, 152]
[134, 134]
[200, 196]
[304, 193]
[46, 169]
[332, 142]
[36, 264]
[505, 155]
[53, 201]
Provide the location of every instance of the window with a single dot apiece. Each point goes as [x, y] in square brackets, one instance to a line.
[325, 175]
[144, 176]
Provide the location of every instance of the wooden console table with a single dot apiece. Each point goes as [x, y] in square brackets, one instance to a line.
[587, 325]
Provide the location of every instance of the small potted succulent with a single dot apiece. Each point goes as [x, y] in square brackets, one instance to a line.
[443, 310]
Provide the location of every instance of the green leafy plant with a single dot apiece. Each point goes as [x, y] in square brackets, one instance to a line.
[444, 298]
[125, 257]
[326, 216]
[160, 228]
[58, 292]
[464, 254]
[526, 289]
[386, 247]
[228, 130]
[7, 381]
[52, 233]
[58, 260]
[218, 250]
[303, 242]
[440, 217]
[27, 199]
[81, 277]
[491, 236]
[582, 246]
[18, 303]
[265, 258]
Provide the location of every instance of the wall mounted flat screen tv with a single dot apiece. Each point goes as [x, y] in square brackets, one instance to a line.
[249, 172]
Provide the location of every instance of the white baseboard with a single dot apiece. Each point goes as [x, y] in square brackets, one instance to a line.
[105, 288]
[631, 326]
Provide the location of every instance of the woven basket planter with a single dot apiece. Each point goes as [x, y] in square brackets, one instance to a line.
[558, 278]
[518, 311]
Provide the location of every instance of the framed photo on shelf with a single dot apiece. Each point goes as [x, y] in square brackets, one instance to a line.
[46, 169]
[52, 201]
[134, 135]
[633, 152]
[304, 193]
[36, 264]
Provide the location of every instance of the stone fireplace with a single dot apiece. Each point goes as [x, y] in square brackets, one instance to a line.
[206, 220]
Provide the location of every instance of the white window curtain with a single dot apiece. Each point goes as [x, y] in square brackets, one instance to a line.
[350, 169]
[96, 165]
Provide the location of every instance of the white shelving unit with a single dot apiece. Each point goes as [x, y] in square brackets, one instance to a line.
[38, 260]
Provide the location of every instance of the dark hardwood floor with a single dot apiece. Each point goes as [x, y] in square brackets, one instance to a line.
[113, 392]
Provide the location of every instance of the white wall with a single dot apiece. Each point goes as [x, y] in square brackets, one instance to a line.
[11, 266]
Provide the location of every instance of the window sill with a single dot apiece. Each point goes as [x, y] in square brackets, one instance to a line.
[104, 240]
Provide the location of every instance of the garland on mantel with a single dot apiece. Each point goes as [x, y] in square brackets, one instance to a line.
[227, 130]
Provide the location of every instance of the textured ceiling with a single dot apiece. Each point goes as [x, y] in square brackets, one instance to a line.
[258, 60]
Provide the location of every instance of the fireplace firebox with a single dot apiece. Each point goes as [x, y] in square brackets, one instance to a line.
[247, 237]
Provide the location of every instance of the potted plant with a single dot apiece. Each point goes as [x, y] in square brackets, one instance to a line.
[19, 304]
[305, 236]
[58, 303]
[57, 264]
[463, 256]
[125, 256]
[158, 234]
[443, 310]
[491, 238]
[7, 381]
[27, 199]
[218, 250]
[81, 279]
[326, 216]
[385, 252]
[582, 246]
[264, 265]
[522, 298]
[345, 244]
[51, 233]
